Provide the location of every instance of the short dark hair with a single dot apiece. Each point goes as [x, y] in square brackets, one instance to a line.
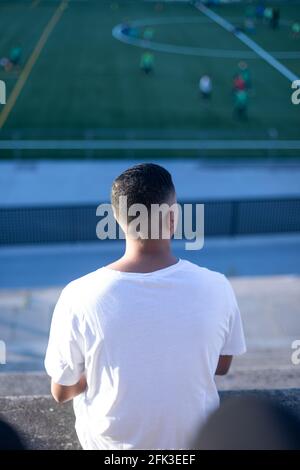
[146, 183]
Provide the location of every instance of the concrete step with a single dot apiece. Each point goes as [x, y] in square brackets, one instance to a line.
[43, 424]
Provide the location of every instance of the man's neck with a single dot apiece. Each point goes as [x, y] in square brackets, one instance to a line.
[145, 256]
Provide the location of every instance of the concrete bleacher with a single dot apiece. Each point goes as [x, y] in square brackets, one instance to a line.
[45, 425]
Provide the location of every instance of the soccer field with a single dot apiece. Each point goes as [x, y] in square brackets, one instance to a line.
[79, 90]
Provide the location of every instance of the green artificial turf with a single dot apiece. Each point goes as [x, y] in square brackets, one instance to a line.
[88, 84]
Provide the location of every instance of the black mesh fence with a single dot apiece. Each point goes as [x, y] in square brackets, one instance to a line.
[33, 225]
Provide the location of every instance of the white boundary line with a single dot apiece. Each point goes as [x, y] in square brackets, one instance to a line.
[150, 144]
[183, 50]
[117, 33]
[248, 42]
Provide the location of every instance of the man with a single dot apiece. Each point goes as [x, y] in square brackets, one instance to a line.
[147, 62]
[148, 34]
[238, 83]
[275, 18]
[205, 86]
[295, 30]
[241, 104]
[137, 343]
[15, 55]
[245, 74]
[260, 10]
[268, 14]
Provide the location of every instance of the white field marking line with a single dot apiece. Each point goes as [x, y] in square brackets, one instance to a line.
[117, 33]
[152, 144]
[248, 42]
[34, 56]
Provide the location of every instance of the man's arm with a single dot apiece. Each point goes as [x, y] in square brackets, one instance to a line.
[223, 365]
[63, 393]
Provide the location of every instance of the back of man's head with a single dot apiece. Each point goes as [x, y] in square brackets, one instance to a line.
[146, 183]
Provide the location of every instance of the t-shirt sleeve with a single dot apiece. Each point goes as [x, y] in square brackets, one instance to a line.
[234, 343]
[64, 361]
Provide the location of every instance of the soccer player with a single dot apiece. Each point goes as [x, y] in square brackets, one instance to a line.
[275, 18]
[238, 83]
[148, 34]
[244, 73]
[205, 86]
[249, 26]
[268, 14]
[6, 64]
[241, 104]
[137, 343]
[260, 10]
[15, 55]
[147, 62]
[295, 30]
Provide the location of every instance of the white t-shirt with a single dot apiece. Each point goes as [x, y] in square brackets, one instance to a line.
[149, 344]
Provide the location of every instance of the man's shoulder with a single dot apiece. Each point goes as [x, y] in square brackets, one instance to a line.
[82, 284]
[205, 273]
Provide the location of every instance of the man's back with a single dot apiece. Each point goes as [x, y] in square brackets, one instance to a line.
[149, 344]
